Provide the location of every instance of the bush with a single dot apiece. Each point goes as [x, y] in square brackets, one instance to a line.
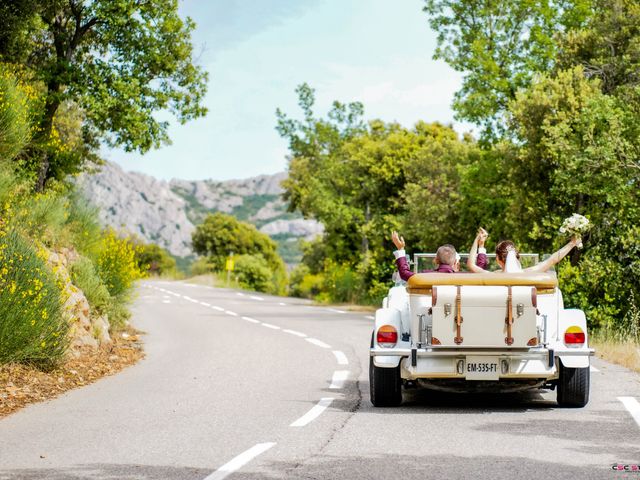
[85, 276]
[253, 272]
[15, 125]
[32, 327]
[202, 266]
[117, 264]
[155, 260]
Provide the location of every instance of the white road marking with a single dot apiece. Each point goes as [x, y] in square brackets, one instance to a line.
[233, 314]
[294, 332]
[339, 376]
[370, 317]
[240, 294]
[220, 309]
[189, 299]
[240, 461]
[314, 413]
[268, 325]
[256, 298]
[340, 357]
[632, 405]
[282, 303]
[205, 304]
[336, 310]
[166, 301]
[593, 369]
[317, 342]
[252, 320]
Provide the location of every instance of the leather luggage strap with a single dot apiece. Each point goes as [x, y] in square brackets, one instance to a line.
[458, 338]
[509, 318]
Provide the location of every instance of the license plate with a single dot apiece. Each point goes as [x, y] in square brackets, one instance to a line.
[482, 368]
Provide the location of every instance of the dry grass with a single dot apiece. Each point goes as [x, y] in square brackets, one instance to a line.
[625, 353]
[21, 385]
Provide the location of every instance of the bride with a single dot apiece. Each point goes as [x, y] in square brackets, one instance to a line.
[508, 257]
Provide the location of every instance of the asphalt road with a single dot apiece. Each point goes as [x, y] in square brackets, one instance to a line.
[244, 386]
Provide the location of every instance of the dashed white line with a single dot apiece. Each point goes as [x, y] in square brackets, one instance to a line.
[268, 325]
[336, 310]
[318, 343]
[593, 369]
[240, 294]
[205, 304]
[252, 320]
[338, 379]
[220, 309]
[253, 297]
[282, 303]
[295, 332]
[229, 312]
[340, 357]
[166, 301]
[632, 405]
[314, 413]
[369, 317]
[240, 461]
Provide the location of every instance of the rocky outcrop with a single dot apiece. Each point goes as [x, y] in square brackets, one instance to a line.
[87, 329]
[165, 212]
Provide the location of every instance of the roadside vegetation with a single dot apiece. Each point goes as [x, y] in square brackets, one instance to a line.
[59, 101]
[256, 263]
[554, 91]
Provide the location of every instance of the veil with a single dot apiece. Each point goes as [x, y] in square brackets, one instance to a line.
[512, 264]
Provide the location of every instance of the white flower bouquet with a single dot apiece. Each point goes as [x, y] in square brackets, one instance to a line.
[576, 225]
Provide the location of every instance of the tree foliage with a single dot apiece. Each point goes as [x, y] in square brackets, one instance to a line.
[118, 62]
[499, 45]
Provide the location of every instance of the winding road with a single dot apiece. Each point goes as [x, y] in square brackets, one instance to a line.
[249, 386]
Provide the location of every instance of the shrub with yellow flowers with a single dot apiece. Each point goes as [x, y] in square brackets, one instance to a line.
[32, 327]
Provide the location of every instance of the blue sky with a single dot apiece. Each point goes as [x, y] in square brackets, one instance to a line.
[374, 51]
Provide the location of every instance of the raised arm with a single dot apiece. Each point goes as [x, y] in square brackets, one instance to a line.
[555, 257]
[478, 242]
[401, 261]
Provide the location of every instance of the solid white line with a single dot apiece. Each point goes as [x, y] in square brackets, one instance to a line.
[205, 304]
[317, 343]
[370, 317]
[593, 369]
[314, 413]
[336, 310]
[217, 308]
[240, 461]
[256, 298]
[337, 381]
[632, 405]
[252, 320]
[233, 314]
[294, 332]
[341, 357]
[268, 325]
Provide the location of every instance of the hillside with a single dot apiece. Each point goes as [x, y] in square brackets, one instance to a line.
[166, 212]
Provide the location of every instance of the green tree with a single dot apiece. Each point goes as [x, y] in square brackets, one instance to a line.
[499, 45]
[118, 62]
[220, 234]
[154, 260]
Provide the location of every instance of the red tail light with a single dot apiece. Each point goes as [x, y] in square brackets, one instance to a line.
[387, 336]
[574, 335]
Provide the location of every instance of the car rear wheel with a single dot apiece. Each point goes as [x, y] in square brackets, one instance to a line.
[385, 385]
[573, 386]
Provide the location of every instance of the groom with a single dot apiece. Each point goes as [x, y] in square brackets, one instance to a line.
[447, 259]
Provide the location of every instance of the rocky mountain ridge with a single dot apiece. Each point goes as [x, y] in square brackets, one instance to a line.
[166, 212]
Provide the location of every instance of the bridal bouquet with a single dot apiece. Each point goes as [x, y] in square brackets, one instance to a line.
[576, 224]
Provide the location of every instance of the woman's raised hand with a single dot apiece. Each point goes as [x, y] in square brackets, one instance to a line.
[482, 236]
[398, 241]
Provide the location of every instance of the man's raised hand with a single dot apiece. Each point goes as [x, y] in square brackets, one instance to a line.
[398, 241]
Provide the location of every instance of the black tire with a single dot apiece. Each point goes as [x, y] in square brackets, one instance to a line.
[385, 385]
[573, 387]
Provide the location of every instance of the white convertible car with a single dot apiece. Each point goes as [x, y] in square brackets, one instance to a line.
[471, 332]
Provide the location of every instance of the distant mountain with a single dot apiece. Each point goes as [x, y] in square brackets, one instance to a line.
[166, 212]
